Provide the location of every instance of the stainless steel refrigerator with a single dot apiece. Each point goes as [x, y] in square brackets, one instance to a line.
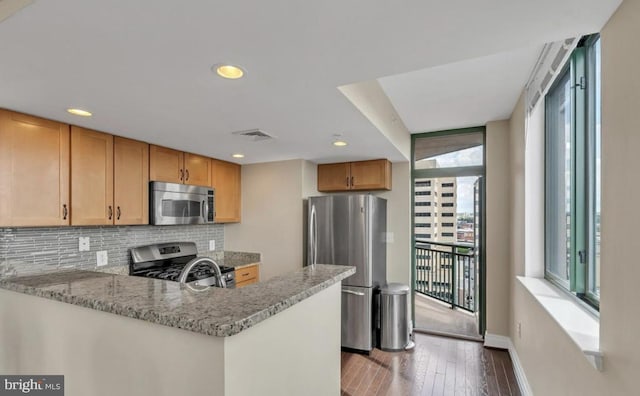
[351, 230]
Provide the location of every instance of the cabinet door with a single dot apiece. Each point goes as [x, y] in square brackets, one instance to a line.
[166, 164]
[371, 175]
[34, 171]
[333, 177]
[91, 177]
[130, 181]
[197, 170]
[225, 179]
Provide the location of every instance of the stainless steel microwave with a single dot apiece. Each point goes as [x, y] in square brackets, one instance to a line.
[173, 203]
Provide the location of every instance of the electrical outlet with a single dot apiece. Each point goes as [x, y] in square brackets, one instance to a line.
[519, 330]
[83, 244]
[102, 258]
[212, 244]
[389, 237]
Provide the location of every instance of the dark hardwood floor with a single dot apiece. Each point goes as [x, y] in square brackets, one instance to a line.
[437, 366]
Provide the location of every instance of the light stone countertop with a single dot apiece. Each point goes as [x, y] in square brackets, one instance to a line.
[214, 311]
[236, 260]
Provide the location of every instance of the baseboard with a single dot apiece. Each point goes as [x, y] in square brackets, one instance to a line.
[503, 342]
[525, 388]
[496, 341]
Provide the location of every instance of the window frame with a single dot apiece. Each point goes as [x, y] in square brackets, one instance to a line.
[582, 169]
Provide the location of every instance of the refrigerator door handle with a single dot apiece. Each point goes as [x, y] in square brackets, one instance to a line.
[352, 292]
[313, 233]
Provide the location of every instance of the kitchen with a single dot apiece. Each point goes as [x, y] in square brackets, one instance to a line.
[107, 187]
[148, 104]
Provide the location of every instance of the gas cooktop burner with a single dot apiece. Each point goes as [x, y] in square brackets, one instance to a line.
[172, 273]
[166, 260]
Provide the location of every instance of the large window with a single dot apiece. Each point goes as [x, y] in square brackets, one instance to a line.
[572, 204]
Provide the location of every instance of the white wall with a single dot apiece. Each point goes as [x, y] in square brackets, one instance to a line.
[272, 216]
[532, 253]
[553, 364]
[373, 103]
[399, 223]
[497, 238]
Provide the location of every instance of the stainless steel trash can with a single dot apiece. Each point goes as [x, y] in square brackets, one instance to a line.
[394, 321]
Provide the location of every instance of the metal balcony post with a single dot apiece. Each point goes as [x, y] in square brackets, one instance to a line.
[454, 297]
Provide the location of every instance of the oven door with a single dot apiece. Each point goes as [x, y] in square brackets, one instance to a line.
[169, 208]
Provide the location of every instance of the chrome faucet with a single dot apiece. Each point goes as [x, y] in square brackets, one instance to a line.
[202, 260]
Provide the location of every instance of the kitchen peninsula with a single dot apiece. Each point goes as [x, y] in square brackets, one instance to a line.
[142, 336]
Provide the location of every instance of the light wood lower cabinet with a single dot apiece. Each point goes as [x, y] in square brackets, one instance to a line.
[34, 171]
[225, 179]
[130, 181]
[91, 177]
[247, 275]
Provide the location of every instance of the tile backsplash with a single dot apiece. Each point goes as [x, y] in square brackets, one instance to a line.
[32, 250]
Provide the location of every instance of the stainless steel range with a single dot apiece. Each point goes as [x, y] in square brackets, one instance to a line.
[179, 261]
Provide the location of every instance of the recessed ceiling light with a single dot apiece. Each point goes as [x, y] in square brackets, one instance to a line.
[338, 141]
[80, 112]
[231, 72]
[238, 155]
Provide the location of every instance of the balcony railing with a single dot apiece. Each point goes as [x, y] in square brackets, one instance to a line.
[447, 272]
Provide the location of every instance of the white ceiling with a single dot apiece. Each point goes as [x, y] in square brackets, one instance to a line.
[143, 67]
[461, 94]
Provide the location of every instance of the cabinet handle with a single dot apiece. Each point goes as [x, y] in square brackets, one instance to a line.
[118, 213]
[181, 174]
[186, 173]
[351, 181]
[65, 212]
[110, 212]
[347, 181]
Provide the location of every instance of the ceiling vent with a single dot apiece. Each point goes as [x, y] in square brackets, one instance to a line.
[255, 135]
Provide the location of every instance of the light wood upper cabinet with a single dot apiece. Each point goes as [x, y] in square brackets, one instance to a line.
[334, 177]
[91, 177]
[109, 179]
[166, 164]
[197, 170]
[34, 171]
[355, 176]
[131, 181]
[174, 166]
[371, 175]
[225, 179]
